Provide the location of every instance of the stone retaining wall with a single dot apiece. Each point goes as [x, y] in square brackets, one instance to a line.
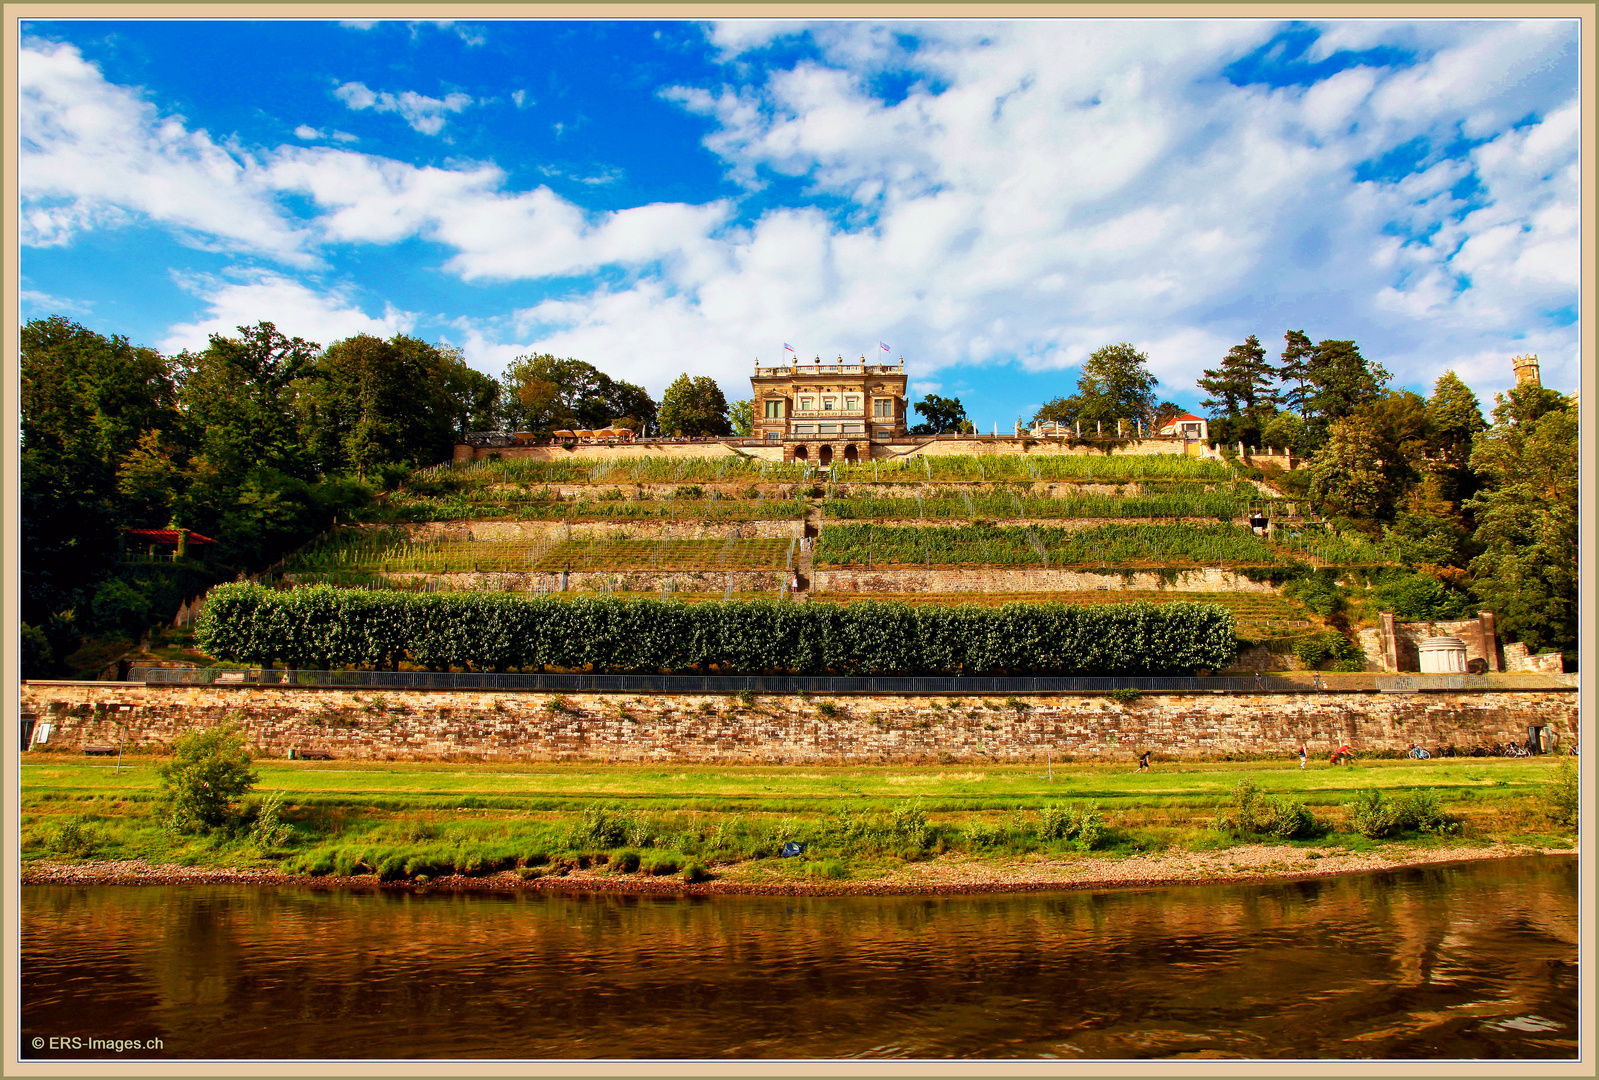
[503, 726]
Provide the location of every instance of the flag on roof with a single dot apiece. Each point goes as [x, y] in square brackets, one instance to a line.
[882, 346]
[789, 347]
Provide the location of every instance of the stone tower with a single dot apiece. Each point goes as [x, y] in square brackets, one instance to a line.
[1526, 370]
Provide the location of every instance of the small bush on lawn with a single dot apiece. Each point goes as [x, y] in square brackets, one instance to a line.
[827, 868]
[268, 830]
[1560, 796]
[1251, 812]
[1373, 817]
[76, 837]
[625, 861]
[207, 772]
[695, 872]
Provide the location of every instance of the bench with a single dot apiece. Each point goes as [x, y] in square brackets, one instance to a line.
[313, 755]
[99, 751]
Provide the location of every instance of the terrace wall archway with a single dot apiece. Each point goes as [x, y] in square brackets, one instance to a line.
[851, 454]
[824, 457]
[801, 453]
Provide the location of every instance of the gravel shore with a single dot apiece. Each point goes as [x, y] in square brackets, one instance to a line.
[947, 875]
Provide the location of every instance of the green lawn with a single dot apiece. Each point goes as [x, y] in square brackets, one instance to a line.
[409, 819]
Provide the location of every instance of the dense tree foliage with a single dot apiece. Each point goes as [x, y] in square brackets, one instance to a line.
[1242, 394]
[694, 407]
[1115, 384]
[941, 415]
[545, 394]
[1527, 517]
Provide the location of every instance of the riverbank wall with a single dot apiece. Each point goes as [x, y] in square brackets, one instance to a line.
[418, 725]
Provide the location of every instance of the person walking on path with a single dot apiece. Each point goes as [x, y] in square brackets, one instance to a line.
[1304, 753]
[1143, 762]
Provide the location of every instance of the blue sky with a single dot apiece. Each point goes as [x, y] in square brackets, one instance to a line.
[994, 200]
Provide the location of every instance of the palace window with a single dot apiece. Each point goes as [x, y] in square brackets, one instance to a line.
[774, 409]
[807, 404]
[829, 404]
[883, 409]
[851, 404]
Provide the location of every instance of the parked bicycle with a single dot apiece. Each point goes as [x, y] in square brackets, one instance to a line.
[1516, 750]
[1419, 753]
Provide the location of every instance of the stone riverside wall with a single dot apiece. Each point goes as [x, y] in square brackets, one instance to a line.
[422, 725]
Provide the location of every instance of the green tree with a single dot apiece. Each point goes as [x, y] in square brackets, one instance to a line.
[1286, 430]
[208, 771]
[88, 403]
[1346, 475]
[1527, 517]
[1342, 380]
[742, 416]
[239, 401]
[545, 394]
[1453, 417]
[371, 402]
[1116, 384]
[1293, 370]
[942, 415]
[694, 407]
[1242, 395]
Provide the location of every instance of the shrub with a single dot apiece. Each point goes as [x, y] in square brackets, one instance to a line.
[909, 823]
[625, 861]
[1422, 811]
[827, 708]
[77, 837]
[1287, 818]
[325, 627]
[1126, 694]
[1251, 812]
[207, 771]
[663, 865]
[268, 830]
[695, 872]
[1372, 817]
[560, 706]
[600, 828]
[827, 868]
[1560, 797]
[1328, 649]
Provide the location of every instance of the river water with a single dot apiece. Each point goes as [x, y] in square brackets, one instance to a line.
[1466, 961]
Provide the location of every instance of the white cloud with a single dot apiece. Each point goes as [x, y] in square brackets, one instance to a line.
[305, 131]
[36, 304]
[94, 155]
[1039, 189]
[244, 298]
[424, 114]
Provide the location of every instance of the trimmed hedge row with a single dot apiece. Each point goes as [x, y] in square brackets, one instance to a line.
[322, 627]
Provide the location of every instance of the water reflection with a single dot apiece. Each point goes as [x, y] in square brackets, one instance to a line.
[1475, 962]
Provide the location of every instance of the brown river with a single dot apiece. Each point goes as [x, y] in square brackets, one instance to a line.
[1462, 961]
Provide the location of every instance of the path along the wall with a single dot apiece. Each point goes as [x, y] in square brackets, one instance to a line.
[501, 726]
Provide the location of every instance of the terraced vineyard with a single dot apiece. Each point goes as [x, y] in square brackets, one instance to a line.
[1104, 547]
[510, 505]
[360, 555]
[1224, 505]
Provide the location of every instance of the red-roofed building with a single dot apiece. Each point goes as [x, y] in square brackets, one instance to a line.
[1188, 427]
[166, 543]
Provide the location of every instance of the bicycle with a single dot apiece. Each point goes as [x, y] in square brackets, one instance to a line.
[1420, 753]
[1516, 750]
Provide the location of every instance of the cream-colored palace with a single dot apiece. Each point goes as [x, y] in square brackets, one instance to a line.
[823, 411]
